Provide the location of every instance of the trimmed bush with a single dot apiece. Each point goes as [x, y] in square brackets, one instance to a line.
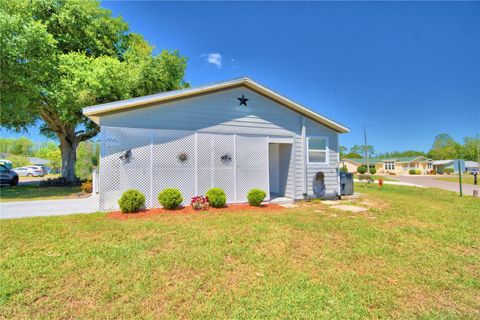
[365, 177]
[418, 171]
[373, 170]
[216, 197]
[131, 201]
[170, 198]
[448, 170]
[412, 171]
[87, 187]
[362, 169]
[255, 196]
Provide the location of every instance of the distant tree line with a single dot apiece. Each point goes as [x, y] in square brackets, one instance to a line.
[19, 150]
[443, 147]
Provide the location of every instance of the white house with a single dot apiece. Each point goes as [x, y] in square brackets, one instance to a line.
[235, 135]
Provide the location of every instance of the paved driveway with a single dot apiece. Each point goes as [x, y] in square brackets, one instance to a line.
[40, 208]
[430, 181]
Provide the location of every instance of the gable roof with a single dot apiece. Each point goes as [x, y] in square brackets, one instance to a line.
[94, 112]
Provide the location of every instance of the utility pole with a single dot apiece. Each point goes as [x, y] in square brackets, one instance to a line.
[366, 148]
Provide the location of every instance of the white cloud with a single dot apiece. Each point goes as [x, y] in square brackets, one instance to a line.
[213, 58]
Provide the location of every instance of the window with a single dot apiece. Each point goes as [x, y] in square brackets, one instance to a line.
[429, 165]
[317, 150]
[389, 165]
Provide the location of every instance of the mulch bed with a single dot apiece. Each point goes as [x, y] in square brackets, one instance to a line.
[189, 210]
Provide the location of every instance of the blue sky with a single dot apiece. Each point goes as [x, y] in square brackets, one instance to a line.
[410, 70]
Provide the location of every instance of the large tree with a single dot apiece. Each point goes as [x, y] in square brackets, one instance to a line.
[58, 56]
[445, 147]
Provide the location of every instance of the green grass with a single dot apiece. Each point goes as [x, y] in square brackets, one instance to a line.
[416, 255]
[31, 192]
[466, 178]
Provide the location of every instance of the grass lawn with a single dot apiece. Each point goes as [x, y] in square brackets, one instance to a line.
[30, 192]
[466, 178]
[417, 255]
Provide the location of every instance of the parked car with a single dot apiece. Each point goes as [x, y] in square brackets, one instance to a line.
[29, 171]
[43, 168]
[8, 176]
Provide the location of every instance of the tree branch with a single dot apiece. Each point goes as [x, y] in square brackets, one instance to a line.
[88, 134]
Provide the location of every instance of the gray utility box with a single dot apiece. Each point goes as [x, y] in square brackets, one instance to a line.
[346, 183]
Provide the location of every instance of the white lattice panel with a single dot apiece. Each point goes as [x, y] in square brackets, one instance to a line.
[252, 165]
[235, 163]
[169, 171]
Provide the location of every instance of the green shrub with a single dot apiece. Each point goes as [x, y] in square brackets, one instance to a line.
[373, 170]
[412, 171]
[365, 177]
[170, 198]
[343, 169]
[448, 170]
[255, 196]
[216, 197]
[362, 169]
[131, 201]
[418, 171]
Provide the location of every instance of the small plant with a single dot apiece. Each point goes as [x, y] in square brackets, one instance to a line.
[365, 178]
[412, 171]
[343, 169]
[170, 198]
[216, 197]
[255, 196]
[418, 171]
[87, 187]
[199, 203]
[131, 201]
[373, 170]
[448, 170]
[362, 169]
[433, 172]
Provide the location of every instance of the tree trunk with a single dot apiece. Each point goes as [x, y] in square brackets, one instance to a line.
[69, 158]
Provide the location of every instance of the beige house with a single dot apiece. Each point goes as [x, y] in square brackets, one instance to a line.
[397, 166]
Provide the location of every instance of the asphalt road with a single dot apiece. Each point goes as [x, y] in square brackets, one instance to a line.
[40, 208]
[430, 181]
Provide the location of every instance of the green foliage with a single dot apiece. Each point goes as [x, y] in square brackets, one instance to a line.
[87, 159]
[170, 198]
[50, 152]
[448, 170]
[59, 56]
[365, 178]
[22, 146]
[216, 197]
[131, 201]
[255, 196]
[352, 155]
[373, 170]
[444, 147]
[397, 154]
[362, 169]
[343, 169]
[360, 150]
[412, 171]
[18, 160]
[342, 150]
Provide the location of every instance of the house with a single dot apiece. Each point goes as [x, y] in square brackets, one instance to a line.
[471, 166]
[441, 165]
[235, 135]
[397, 165]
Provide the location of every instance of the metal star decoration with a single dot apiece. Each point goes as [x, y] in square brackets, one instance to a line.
[243, 100]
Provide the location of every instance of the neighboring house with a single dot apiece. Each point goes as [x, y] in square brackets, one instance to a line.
[235, 135]
[471, 166]
[398, 165]
[441, 165]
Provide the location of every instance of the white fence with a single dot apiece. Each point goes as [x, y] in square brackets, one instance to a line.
[151, 159]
